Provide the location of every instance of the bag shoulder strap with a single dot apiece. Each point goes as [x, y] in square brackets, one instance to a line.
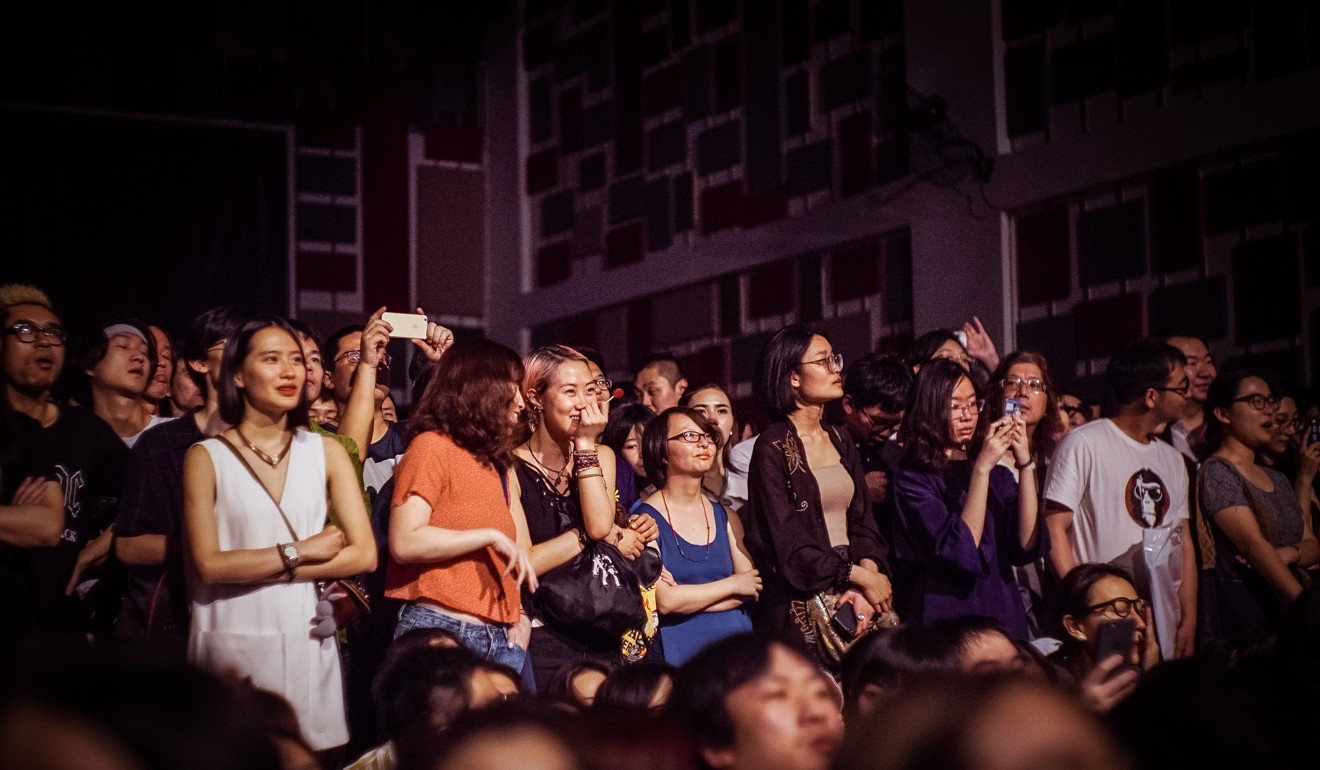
[243, 461]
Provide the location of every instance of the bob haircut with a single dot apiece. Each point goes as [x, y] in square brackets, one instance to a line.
[1220, 396]
[621, 424]
[468, 400]
[926, 423]
[781, 356]
[239, 345]
[655, 441]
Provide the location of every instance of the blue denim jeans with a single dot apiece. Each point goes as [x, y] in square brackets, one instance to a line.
[489, 641]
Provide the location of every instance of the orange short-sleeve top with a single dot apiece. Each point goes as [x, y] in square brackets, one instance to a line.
[463, 494]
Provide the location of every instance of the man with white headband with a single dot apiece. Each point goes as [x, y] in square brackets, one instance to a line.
[112, 371]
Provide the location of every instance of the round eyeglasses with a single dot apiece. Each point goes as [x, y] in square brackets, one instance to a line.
[1121, 607]
[1258, 402]
[833, 363]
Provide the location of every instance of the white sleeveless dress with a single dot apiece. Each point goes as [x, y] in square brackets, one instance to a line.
[262, 632]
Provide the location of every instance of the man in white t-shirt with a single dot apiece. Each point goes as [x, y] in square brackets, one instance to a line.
[1116, 494]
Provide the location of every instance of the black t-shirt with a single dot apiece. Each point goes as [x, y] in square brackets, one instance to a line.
[156, 596]
[20, 458]
[88, 460]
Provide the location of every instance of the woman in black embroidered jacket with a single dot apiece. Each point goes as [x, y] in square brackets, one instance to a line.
[809, 529]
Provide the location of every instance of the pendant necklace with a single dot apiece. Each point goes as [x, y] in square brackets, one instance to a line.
[669, 519]
[552, 477]
[271, 461]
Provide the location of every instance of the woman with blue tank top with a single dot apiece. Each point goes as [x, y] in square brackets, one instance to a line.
[708, 576]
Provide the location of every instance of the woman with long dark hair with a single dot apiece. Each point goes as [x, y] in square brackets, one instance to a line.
[1024, 377]
[963, 520]
[458, 556]
[255, 523]
[809, 528]
[1259, 542]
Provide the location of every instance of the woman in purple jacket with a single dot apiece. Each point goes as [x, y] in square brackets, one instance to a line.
[963, 521]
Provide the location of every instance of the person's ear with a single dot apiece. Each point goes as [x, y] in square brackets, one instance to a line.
[199, 366]
[848, 406]
[1221, 414]
[1073, 628]
[718, 758]
[1151, 395]
[680, 386]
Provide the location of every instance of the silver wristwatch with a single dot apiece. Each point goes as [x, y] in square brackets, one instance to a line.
[288, 555]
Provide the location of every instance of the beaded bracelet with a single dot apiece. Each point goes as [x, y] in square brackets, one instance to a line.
[585, 460]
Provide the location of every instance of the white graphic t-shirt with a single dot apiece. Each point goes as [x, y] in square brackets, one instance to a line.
[1129, 502]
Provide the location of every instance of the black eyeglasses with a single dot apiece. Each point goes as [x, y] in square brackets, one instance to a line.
[1181, 390]
[604, 389]
[694, 437]
[832, 363]
[53, 335]
[1034, 385]
[1070, 409]
[1258, 402]
[1121, 607]
[354, 357]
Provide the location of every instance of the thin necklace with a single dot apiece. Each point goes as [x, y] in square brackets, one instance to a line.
[267, 459]
[545, 471]
[670, 520]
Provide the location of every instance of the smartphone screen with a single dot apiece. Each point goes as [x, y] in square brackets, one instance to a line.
[1115, 638]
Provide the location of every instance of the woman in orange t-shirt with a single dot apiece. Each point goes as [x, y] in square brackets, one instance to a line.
[457, 557]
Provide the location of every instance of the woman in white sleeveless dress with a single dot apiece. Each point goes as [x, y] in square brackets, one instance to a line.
[253, 583]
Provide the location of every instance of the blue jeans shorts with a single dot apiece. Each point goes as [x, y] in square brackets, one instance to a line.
[489, 641]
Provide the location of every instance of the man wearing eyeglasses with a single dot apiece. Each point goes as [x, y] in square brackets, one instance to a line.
[1116, 494]
[44, 549]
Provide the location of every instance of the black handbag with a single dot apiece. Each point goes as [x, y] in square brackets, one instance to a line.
[594, 594]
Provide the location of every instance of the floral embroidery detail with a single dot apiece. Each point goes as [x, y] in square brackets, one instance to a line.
[792, 453]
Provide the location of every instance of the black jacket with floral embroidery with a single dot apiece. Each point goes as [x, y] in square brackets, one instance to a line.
[785, 526]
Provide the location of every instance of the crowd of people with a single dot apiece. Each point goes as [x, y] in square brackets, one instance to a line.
[227, 550]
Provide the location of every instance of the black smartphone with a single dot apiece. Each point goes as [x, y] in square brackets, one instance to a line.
[1115, 638]
[845, 621]
[1313, 430]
